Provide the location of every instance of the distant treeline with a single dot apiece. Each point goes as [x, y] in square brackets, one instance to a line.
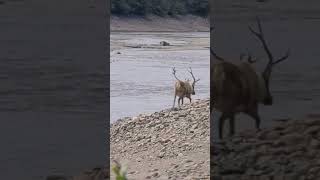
[159, 7]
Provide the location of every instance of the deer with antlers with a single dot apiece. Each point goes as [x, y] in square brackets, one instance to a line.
[240, 88]
[183, 88]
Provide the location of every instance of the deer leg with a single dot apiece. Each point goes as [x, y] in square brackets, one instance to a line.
[189, 99]
[182, 100]
[179, 101]
[258, 120]
[221, 124]
[231, 123]
[254, 114]
[174, 101]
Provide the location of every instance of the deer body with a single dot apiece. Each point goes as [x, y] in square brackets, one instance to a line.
[237, 89]
[240, 88]
[183, 89]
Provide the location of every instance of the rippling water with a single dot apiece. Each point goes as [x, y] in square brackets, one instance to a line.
[141, 78]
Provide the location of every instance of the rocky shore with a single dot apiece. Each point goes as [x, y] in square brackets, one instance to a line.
[175, 145]
[164, 145]
[288, 151]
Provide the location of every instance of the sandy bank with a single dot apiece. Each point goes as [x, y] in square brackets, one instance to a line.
[164, 144]
[156, 24]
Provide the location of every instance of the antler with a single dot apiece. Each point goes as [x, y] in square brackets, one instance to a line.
[194, 79]
[174, 73]
[213, 53]
[271, 62]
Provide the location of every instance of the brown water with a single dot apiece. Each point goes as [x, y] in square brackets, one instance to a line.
[141, 78]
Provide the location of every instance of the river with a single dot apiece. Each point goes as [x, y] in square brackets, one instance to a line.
[141, 75]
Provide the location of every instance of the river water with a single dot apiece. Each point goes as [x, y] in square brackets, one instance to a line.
[141, 75]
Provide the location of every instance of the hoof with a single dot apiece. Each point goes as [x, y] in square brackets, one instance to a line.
[174, 109]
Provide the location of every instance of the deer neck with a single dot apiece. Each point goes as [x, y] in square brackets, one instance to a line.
[262, 88]
[188, 87]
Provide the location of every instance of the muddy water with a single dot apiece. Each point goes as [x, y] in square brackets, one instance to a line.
[141, 75]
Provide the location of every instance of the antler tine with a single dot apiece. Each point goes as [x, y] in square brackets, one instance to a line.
[194, 79]
[282, 58]
[174, 73]
[260, 36]
[213, 53]
[173, 70]
[216, 56]
[190, 71]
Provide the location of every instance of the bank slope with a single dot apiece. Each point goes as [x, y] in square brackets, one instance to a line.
[165, 144]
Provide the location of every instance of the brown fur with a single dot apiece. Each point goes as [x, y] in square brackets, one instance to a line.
[239, 88]
[183, 89]
[234, 90]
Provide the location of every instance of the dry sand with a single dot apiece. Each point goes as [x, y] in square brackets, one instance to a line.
[156, 24]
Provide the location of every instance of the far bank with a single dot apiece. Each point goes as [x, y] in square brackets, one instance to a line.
[188, 23]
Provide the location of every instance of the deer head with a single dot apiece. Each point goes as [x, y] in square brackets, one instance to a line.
[194, 81]
[266, 74]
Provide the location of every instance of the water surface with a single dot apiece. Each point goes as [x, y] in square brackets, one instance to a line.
[141, 78]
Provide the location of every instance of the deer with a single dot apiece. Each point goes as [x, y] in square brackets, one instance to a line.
[183, 89]
[240, 88]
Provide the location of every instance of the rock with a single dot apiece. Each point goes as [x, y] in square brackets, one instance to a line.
[164, 43]
[156, 174]
[312, 130]
[288, 150]
[315, 143]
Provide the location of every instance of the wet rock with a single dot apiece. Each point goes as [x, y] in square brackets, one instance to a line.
[164, 43]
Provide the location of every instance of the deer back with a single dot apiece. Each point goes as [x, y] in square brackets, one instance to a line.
[227, 86]
[255, 84]
[180, 88]
[188, 87]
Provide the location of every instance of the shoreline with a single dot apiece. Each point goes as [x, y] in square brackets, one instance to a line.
[164, 144]
[187, 23]
[288, 150]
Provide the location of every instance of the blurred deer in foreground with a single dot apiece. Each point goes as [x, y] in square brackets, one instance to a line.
[183, 88]
[240, 88]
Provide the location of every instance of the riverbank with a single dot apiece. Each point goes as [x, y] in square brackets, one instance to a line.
[288, 150]
[163, 145]
[188, 23]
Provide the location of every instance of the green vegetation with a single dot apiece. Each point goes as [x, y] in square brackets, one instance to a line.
[119, 171]
[159, 7]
